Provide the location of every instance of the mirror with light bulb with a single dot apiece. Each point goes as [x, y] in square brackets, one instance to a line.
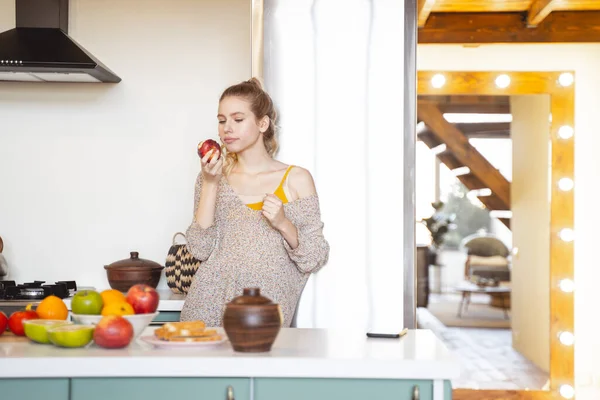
[494, 211]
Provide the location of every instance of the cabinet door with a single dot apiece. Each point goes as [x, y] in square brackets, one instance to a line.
[347, 389]
[159, 388]
[34, 389]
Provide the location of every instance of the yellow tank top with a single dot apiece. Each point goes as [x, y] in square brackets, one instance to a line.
[279, 192]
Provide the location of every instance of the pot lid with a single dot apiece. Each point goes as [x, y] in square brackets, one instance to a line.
[134, 261]
[252, 297]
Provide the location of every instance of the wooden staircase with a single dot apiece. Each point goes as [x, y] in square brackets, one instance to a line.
[460, 153]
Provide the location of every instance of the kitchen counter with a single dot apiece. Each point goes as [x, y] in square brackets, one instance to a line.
[303, 364]
[296, 353]
[169, 301]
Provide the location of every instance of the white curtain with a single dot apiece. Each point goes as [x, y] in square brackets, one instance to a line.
[335, 71]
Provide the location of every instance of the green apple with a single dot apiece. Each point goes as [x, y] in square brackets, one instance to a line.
[88, 302]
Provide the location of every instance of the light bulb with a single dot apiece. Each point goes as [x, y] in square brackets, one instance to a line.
[565, 184]
[566, 79]
[567, 285]
[502, 81]
[566, 338]
[565, 132]
[567, 234]
[567, 391]
[438, 81]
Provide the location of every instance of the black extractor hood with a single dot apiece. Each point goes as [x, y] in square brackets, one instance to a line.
[39, 49]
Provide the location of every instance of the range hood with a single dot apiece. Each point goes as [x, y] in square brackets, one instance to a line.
[39, 49]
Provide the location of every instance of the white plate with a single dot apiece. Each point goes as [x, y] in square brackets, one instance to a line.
[165, 344]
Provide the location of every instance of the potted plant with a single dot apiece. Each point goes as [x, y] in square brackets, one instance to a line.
[439, 224]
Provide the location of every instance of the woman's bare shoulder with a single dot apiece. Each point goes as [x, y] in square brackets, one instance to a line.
[301, 182]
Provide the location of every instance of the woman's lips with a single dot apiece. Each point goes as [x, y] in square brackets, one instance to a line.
[229, 140]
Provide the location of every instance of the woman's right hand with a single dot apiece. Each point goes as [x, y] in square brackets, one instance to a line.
[213, 169]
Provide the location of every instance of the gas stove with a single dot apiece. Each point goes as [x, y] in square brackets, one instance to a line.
[10, 291]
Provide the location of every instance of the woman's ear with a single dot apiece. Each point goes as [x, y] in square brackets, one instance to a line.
[263, 124]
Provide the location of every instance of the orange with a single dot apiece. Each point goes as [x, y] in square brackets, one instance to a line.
[111, 296]
[52, 307]
[118, 308]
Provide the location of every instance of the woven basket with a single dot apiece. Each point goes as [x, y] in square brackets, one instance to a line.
[180, 267]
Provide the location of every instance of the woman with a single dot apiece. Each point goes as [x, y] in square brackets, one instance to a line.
[256, 220]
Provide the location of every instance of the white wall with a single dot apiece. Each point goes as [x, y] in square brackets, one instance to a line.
[91, 172]
[584, 59]
[530, 224]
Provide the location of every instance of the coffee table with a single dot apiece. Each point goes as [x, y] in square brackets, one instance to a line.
[467, 288]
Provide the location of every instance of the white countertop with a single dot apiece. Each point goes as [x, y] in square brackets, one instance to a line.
[297, 353]
[169, 301]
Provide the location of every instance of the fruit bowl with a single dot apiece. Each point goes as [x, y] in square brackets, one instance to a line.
[138, 321]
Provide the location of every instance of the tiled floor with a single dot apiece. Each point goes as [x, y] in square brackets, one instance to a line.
[487, 358]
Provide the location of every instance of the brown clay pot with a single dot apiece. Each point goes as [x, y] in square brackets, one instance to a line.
[252, 322]
[123, 274]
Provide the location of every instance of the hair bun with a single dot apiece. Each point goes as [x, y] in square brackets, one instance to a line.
[255, 82]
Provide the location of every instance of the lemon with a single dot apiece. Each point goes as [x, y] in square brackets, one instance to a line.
[71, 335]
[37, 329]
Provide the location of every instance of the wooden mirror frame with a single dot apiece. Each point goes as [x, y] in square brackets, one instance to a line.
[560, 87]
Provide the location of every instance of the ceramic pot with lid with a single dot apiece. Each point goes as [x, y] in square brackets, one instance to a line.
[123, 274]
[252, 322]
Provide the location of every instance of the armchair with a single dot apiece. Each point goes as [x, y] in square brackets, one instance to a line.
[487, 257]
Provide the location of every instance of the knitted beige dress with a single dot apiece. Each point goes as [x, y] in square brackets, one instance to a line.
[242, 250]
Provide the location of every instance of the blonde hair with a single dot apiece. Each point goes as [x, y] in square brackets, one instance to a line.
[261, 105]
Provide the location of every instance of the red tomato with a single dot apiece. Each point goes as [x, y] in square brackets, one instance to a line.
[15, 322]
[3, 322]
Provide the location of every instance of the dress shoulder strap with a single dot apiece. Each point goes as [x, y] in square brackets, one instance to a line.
[279, 192]
[287, 171]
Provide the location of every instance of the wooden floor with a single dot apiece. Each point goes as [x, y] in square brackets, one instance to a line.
[487, 358]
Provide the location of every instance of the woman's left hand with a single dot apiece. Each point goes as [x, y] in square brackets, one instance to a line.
[273, 211]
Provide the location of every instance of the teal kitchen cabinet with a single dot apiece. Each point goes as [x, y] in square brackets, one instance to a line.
[34, 389]
[159, 388]
[347, 389]
[166, 316]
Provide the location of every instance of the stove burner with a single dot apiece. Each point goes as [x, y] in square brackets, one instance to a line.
[31, 293]
[35, 290]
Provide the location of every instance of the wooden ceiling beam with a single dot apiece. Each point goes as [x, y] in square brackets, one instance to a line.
[474, 135]
[469, 104]
[468, 128]
[424, 9]
[479, 28]
[475, 108]
[481, 5]
[465, 153]
[480, 130]
[539, 10]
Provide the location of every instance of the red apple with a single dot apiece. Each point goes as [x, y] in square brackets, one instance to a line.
[15, 322]
[3, 322]
[207, 145]
[113, 332]
[143, 298]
